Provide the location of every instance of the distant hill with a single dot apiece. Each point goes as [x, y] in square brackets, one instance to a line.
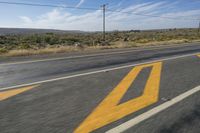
[17, 31]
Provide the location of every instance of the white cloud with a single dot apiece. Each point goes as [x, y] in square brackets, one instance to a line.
[26, 19]
[80, 3]
[92, 21]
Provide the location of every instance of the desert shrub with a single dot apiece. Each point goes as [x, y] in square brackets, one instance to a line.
[44, 40]
[3, 50]
[24, 46]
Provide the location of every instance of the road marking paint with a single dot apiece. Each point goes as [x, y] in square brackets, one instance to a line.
[198, 55]
[10, 93]
[127, 125]
[98, 71]
[90, 55]
[109, 111]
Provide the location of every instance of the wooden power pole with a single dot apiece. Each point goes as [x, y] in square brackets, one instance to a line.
[199, 27]
[104, 21]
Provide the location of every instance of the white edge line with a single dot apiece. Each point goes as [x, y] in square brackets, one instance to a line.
[95, 72]
[127, 125]
[91, 55]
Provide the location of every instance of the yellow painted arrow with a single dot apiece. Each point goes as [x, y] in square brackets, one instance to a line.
[10, 93]
[109, 111]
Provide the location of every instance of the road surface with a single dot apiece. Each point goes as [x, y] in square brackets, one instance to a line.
[130, 90]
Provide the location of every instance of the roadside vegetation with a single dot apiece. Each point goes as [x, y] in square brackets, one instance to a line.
[44, 43]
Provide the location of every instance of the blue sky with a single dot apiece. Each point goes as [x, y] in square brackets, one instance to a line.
[71, 19]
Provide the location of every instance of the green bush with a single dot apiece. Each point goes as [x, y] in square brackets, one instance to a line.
[3, 50]
[24, 46]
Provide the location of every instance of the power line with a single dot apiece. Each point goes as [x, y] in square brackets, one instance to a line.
[47, 5]
[89, 8]
[194, 0]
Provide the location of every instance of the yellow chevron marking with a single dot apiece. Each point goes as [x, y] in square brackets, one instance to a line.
[10, 93]
[109, 111]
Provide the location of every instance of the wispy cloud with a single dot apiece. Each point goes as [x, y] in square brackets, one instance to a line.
[80, 3]
[92, 21]
[120, 3]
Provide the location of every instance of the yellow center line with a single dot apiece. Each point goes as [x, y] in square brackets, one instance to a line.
[10, 93]
[109, 111]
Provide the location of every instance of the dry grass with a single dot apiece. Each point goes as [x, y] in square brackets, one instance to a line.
[115, 45]
[159, 43]
[54, 50]
[49, 50]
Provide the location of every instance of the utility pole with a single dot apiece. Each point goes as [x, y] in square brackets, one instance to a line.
[199, 27]
[104, 21]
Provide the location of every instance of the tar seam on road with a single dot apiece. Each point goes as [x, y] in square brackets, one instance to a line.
[98, 71]
[127, 125]
[90, 55]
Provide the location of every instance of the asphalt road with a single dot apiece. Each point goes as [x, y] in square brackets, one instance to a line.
[133, 91]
